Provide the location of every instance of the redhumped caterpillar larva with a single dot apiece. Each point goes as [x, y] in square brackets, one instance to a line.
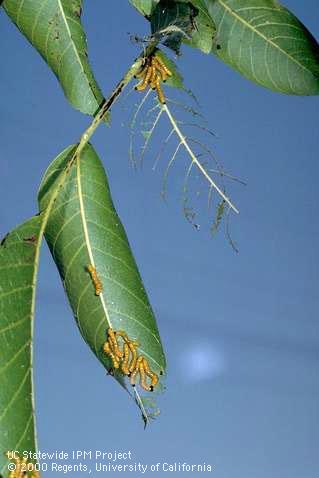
[95, 279]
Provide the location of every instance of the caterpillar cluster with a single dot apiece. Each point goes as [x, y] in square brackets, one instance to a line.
[95, 279]
[153, 72]
[23, 469]
[125, 358]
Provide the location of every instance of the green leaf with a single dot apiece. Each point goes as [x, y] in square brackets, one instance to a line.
[144, 6]
[83, 229]
[204, 31]
[191, 16]
[176, 80]
[18, 270]
[267, 44]
[54, 28]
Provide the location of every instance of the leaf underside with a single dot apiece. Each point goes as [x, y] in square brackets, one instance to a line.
[266, 43]
[83, 229]
[54, 28]
[183, 22]
[204, 31]
[17, 282]
[172, 20]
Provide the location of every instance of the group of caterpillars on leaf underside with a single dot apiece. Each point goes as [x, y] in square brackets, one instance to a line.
[152, 74]
[23, 469]
[123, 353]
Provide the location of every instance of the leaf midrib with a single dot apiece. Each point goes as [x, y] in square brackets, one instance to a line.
[72, 44]
[257, 32]
[88, 244]
[86, 234]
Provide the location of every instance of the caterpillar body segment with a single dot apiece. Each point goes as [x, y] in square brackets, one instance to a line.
[165, 72]
[112, 338]
[121, 333]
[162, 66]
[150, 374]
[125, 361]
[160, 93]
[133, 346]
[153, 76]
[115, 361]
[142, 86]
[123, 352]
[143, 374]
[95, 279]
[133, 377]
[164, 76]
[114, 345]
[143, 378]
[142, 72]
[136, 371]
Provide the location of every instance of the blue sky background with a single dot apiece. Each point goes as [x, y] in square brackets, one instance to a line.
[240, 331]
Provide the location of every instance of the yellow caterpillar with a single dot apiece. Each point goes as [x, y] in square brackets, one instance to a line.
[147, 77]
[125, 361]
[149, 373]
[153, 72]
[108, 350]
[95, 279]
[124, 356]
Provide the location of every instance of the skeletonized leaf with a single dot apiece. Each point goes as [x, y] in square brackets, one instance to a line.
[220, 211]
[84, 229]
[54, 28]
[267, 44]
[18, 269]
